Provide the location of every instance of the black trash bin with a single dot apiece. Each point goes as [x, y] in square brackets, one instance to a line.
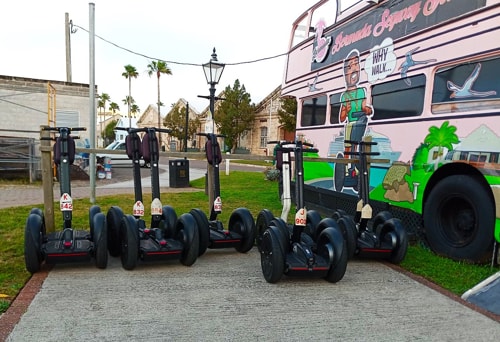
[179, 173]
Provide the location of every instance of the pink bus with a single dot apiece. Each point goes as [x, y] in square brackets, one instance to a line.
[422, 79]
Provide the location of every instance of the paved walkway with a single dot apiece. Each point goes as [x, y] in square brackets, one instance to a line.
[224, 296]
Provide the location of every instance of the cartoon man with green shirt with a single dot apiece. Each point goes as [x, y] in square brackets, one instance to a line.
[354, 111]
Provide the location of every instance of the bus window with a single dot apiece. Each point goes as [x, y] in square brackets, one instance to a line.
[335, 108]
[300, 31]
[327, 12]
[400, 98]
[314, 111]
[468, 86]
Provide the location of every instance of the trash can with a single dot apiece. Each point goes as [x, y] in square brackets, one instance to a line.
[179, 173]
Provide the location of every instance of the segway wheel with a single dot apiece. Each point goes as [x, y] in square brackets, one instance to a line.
[169, 217]
[39, 212]
[312, 220]
[113, 221]
[33, 242]
[331, 246]
[323, 224]
[100, 240]
[242, 223]
[272, 256]
[348, 228]
[263, 221]
[379, 220]
[393, 232]
[129, 242]
[187, 232]
[285, 232]
[93, 211]
[203, 229]
[338, 213]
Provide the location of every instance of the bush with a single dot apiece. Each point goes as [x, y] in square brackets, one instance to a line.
[272, 174]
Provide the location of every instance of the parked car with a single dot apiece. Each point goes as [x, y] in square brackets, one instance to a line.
[117, 159]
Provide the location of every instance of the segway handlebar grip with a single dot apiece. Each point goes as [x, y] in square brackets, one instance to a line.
[211, 134]
[70, 129]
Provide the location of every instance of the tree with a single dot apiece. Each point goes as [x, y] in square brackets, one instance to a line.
[113, 107]
[287, 115]
[129, 73]
[101, 104]
[109, 132]
[159, 67]
[176, 122]
[134, 109]
[129, 101]
[235, 115]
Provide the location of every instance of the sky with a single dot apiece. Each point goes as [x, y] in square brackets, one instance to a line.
[137, 32]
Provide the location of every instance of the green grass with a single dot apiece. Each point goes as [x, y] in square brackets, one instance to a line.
[239, 189]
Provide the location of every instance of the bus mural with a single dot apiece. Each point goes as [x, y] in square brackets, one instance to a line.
[420, 78]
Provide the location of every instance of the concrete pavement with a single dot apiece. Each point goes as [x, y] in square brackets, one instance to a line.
[224, 296]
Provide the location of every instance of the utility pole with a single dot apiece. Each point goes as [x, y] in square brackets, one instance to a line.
[68, 30]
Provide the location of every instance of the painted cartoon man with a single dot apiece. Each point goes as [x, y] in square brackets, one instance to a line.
[354, 111]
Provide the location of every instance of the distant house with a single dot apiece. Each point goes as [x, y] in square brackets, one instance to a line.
[266, 126]
[173, 143]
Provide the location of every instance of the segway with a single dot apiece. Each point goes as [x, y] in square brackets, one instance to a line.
[283, 164]
[168, 237]
[241, 227]
[289, 250]
[68, 245]
[381, 236]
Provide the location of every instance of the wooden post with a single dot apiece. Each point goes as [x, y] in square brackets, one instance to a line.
[47, 179]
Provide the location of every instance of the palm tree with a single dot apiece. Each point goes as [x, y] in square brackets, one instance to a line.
[158, 67]
[113, 107]
[130, 71]
[134, 109]
[103, 98]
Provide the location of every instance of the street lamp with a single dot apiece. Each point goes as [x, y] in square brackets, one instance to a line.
[213, 71]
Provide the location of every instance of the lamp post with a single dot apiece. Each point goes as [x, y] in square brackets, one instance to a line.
[213, 71]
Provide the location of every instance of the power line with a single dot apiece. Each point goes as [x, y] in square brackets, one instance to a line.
[170, 62]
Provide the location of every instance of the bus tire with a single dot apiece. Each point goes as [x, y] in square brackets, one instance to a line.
[459, 218]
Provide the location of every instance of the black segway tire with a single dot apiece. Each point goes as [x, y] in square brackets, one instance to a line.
[129, 242]
[32, 243]
[263, 221]
[393, 229]
[323, 224]
[169, 217]
[312, 220]
[338, 213]
[114, 218]
[379, 220]
[348, 229]
[100, 240]
[241, 222]
[203, 229]
[284, 230]
[187, 232]
[93, 211]
[39, 212]
[272, 256]
[332, 247]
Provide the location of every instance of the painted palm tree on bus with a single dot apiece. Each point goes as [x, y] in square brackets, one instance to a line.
[158, 67]
[129, 73]
[443, 138]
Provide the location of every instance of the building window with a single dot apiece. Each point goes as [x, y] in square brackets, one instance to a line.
[263, 137]
[314, 112]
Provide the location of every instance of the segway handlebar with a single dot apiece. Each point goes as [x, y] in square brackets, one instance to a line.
[361, 144]
[60, 129]
[143, 129]
[282, 144]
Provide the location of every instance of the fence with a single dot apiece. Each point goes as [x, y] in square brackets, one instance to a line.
[19, 158]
